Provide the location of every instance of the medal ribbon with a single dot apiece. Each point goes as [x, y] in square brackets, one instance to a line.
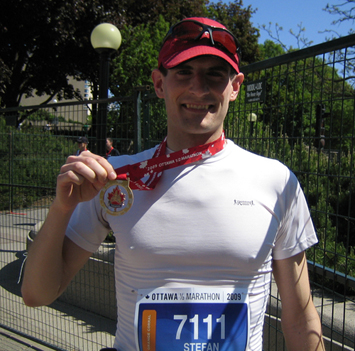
[155, 166]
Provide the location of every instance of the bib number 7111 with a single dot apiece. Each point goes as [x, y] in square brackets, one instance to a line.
[192, 319]
[195, 321]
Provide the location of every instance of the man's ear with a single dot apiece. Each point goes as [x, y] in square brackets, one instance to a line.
[157, 78]
[236, 83]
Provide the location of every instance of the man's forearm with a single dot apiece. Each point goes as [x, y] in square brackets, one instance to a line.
[304, 333]
[43, 275]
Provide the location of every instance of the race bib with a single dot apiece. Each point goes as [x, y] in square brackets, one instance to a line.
[192, 319]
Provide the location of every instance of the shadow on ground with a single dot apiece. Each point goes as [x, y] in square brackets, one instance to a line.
[9, 280]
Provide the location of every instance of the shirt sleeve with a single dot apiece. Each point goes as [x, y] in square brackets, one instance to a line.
[296, 232]
[87, 228]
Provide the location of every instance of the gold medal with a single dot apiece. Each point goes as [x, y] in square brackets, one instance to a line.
[116, 197]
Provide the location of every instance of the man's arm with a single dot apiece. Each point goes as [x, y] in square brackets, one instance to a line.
[299, 319]
[53, 259]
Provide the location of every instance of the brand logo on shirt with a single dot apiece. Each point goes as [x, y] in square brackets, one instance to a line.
[244, 203]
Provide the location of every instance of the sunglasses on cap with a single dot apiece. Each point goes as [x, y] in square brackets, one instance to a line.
[191, 30]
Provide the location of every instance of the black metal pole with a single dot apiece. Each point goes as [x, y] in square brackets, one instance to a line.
[103, 94]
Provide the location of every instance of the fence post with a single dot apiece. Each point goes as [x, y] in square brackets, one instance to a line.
[137, 115]
[146, 121]
[11, 185]
[137, 120]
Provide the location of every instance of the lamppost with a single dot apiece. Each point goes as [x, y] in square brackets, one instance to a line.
[105, 39]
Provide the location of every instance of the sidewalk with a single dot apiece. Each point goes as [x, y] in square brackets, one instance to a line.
[66, 326]
[10, 341]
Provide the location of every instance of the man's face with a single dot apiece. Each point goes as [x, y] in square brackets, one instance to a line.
[197, 95]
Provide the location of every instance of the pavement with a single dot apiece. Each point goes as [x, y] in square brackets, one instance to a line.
[67, 327]
[14, 228]
[10, 341]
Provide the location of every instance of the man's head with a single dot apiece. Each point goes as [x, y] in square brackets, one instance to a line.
[198, 76]
[198, 36]
[82, 143]
[109, 143]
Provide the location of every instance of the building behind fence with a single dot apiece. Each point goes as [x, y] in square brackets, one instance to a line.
[298, 108]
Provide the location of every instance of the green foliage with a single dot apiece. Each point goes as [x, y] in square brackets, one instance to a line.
[147, 12]
[44, 115]
[156, 120]
[237, 19]
[132, 68]
[291, 101]
[138, 56]
[270, 49]
[30, 162]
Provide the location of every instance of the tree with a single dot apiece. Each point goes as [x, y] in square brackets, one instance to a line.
[138, 56]
[302, 41]
[270, 49]
[133, 67]
[139, 12]
[345, 12]
[43, 43]
[237, 19]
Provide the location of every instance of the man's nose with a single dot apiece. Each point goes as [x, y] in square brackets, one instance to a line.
[199, 85]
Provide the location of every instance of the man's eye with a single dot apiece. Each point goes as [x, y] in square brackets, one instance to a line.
[184, 72]
[216, 74]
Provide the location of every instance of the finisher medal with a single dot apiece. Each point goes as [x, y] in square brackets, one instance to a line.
[116, 197]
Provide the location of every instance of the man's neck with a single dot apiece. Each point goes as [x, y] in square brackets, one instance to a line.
[192, 140]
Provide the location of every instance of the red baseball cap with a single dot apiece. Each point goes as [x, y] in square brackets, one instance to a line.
[176, 51]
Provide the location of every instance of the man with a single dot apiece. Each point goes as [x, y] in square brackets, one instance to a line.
[82, 145]
[196, 247]
[111, 151]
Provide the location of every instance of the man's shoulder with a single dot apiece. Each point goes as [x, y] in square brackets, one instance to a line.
[253, 158]
[131, 159]
[258, 168]
[115, 152]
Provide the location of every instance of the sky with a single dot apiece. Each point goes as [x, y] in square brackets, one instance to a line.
[290, 13]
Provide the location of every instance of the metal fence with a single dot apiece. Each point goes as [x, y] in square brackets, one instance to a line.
[298, 108]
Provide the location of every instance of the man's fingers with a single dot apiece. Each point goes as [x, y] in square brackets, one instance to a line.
[70, 176]
[110, 173]
[90, 166]
[76, 172]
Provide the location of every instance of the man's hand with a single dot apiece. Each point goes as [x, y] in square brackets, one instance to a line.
[81, 178]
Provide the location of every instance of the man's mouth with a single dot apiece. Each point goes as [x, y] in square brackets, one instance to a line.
[198, 107]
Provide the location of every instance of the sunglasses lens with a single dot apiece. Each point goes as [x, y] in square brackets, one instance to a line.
[225, 39]
[187, 31]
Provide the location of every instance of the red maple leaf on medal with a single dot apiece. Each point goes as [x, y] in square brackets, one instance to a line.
[116, 198]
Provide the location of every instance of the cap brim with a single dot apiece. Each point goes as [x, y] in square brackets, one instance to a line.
[195, 51]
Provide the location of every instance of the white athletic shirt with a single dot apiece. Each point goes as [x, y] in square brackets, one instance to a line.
[216, 223]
